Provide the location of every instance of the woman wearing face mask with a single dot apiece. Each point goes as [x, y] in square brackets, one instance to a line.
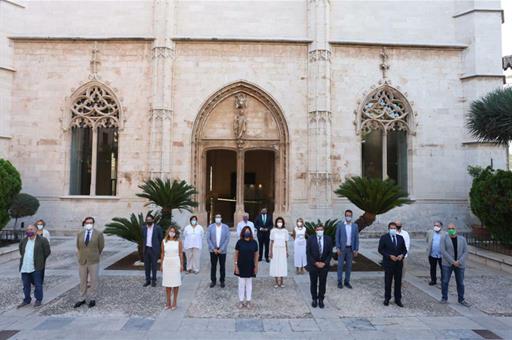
[193, 242]
[279, 252]
[171, 266]
[299, 246]
[41, 230]
[246, 265]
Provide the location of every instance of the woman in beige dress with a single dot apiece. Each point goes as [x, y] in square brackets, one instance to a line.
[171, 265]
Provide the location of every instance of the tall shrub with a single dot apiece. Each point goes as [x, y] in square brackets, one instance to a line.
[10, 186]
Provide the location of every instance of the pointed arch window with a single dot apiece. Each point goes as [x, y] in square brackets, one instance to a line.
[384, 122]
[94, 126]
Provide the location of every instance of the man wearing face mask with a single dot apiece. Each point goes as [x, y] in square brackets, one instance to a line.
[217, 237]
[245, 222]
[34, 251]
[434, 238]
[263, 225]
[407, 239]
[347, 246]
[393, 250]
[454, 250]
[319, 254]
[152, 237]
[89, 244]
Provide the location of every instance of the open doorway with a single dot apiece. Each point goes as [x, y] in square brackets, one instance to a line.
[259, 181]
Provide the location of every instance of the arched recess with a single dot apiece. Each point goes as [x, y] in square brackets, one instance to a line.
[241, 117]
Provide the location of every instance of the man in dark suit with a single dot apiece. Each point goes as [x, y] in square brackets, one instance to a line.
[152, 239]
[263, 226]
[393, 250]
[319, 254]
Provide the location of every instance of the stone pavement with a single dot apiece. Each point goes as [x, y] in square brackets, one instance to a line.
[126, 310]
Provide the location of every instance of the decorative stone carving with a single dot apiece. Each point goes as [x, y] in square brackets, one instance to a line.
[316, 55]
[160, 113]
[384, 65]
[95, 107]
[163, 52]
[315, 116]
[240, 121]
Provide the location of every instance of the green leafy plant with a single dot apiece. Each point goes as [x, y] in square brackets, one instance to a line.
[490, 117]
[169, 196]
[23, 205]
[329, 227]
[491, 201]
[372, 195]
[10, 186]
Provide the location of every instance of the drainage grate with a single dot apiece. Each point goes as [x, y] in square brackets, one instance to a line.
[486, 334]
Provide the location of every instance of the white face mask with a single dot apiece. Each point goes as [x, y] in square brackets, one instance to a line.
[172, 234]
[88, 226]
[320, 233]
[437, 229]
[194, 222]
[299, 224]
[40, 227]
[218, 220]
[279, 224]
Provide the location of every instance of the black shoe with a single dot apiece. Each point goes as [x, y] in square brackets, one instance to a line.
[79, 303]
[153, 284]
[222, 285]
[92, 303]
[348, 285]
[267, 260]
[212, 284]
[314, 303]
[340, 285]
[321, 303]
[260, 259]
[23, 304]
[386, 302]
[399, 303]
[146, 284]
[431, 283]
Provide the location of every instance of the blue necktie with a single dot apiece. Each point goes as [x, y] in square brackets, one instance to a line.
[320, 245]
[87, 238]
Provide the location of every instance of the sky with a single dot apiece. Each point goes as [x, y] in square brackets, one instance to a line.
[506, 28]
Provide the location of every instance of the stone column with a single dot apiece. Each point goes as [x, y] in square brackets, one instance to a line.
[161, 104]
[240, 192]
[319, 104]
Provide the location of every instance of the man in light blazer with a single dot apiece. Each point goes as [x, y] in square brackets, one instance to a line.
[152, 237]
[217, 237]
[434, 238]
[89, 244]
[347, 245]
[454, 250]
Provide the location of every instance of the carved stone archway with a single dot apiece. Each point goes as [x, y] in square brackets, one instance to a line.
[241, 117]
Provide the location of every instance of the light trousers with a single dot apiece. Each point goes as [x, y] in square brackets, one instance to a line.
[193, 258]
[245, 288]
[88, 271]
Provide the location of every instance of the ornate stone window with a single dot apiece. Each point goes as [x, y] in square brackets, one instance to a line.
[384, 122]
[94, 125]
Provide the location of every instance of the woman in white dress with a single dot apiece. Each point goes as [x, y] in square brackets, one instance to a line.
[299, 246]
[171, 265]
[193, 242]
[279, 252]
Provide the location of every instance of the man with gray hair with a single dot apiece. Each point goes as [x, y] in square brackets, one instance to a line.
[245, 222]
[434, 238]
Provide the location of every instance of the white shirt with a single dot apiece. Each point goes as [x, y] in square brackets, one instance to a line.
[348, 230]
[28, 257]
[149, 236]
[193, 236]
[320, 244]
[218, 234]
[407, 239]
[90, 234]
[241, 225]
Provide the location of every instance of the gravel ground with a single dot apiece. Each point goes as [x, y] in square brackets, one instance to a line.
[66, 259]
[12, 290]
[365, 300]
[267, 302]
[118, 296]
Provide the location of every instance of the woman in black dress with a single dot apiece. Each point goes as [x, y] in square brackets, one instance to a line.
[246, 265]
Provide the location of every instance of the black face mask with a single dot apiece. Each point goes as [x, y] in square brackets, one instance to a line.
[149, 223]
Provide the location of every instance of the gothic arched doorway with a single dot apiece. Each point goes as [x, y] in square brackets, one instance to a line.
[240, 153]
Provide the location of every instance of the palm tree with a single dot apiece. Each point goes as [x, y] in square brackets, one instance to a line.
[490, 117]
[372, 195]
[329, 227]
[128, 229]
[169, 196]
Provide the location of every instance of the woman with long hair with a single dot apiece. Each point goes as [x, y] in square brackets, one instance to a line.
[246, 265]
[279, 252]
[171, 265]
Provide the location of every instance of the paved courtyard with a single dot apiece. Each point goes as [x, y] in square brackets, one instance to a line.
[126, 310]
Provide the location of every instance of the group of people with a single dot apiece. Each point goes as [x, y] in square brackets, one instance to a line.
[312, 253]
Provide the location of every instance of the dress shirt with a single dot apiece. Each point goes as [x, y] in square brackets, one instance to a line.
[90, 235]
[28, 257]
[320, 245]
[193, 237]
[436, 245]
[348, 230]
[407, 239]
[241, 225]
[149, 236]
[218, 234]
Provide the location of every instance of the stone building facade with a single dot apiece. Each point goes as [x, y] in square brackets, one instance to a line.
[256, 103]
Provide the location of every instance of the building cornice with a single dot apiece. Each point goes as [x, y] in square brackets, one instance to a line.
[481, 10]
[473, 76]
[242, 40]
[78, 38]
[14, 3]
[8, 69]
[397, 44]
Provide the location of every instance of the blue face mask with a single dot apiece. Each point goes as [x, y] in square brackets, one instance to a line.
[348, 218]
[392, 232]
[247, 234]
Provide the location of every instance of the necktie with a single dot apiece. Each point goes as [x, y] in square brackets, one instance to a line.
[87, 238]
[264, 219]
[320, 245]
[394, 241]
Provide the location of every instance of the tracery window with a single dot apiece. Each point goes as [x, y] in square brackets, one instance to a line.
[385, 120]
[94, 143]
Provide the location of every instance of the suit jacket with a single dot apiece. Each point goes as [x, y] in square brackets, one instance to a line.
[387, 248]
[313, 252]
[448, 253]
[90, 254]
[430, 239]
[41, 251]
[269, 223]
[156, 239]
[211, 238]
[341, 236]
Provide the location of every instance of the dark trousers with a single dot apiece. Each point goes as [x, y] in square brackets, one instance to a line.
[459, 279]
[318, 280]
[433, 270]
[393, 272]
[221, 258]
[29, 279]
[264, 240]
[150, 263]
